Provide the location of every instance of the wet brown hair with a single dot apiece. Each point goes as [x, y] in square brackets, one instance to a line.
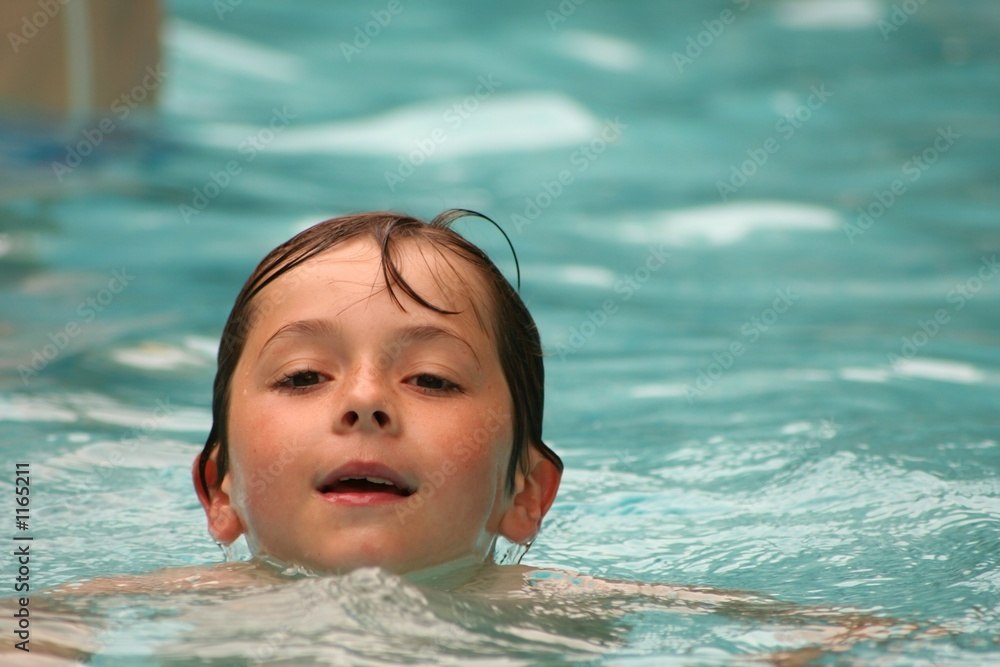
[518, 344]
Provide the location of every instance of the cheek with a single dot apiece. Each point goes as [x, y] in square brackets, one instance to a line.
[262, 476]
[479, 464]
[481, 445]
[263, 428]
[263, 458]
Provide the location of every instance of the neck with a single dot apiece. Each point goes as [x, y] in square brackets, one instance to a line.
[448, 575]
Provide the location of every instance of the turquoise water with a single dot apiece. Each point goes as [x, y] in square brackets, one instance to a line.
[753, 385]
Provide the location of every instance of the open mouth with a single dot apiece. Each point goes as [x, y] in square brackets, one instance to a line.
[364, 485]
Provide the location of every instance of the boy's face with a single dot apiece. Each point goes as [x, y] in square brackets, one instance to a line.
[360, 434]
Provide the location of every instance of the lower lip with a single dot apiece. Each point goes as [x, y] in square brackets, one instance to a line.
[362, 499]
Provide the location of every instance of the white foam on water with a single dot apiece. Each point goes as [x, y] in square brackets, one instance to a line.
[206, 347]
[157, 357]
[186, 420]
[828, 14]
[214, 49]
[577, 274]
[727, 224]
[795, 428]
[656, 391]
[33, 409]
[131, 452]
[501, 123]
[156, 416]
[604, 51]
[855, 374]
[939, 369]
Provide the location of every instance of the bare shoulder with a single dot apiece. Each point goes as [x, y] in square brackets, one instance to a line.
[571, 583]
[63, 634]
[811, 628]
[518, 581]
[173, 580]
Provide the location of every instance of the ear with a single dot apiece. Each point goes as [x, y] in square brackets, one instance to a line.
[223, 522]
[523, 519]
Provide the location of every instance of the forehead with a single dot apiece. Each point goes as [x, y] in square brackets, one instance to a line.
[352, 274]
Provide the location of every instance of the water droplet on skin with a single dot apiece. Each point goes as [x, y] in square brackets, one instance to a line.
[506, 552]
[236, 552]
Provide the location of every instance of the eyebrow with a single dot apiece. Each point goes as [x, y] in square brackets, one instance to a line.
[323, 328]
[312, 328]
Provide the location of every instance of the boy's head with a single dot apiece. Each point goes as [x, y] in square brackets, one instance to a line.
[378, 401]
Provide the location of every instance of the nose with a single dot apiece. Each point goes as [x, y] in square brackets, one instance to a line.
[364, 405]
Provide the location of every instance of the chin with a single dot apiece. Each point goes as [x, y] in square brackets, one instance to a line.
[345, 551]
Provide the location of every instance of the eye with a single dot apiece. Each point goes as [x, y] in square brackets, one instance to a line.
[299, 380]
[434, 384]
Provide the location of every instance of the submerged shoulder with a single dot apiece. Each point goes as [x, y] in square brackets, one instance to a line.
[570, 583]
[172, 580]
[521, 580]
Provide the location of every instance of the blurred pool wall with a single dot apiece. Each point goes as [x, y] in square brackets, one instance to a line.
[79, 59]
[760, 239]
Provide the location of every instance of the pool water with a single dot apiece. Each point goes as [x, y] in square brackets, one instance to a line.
[760, 241]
